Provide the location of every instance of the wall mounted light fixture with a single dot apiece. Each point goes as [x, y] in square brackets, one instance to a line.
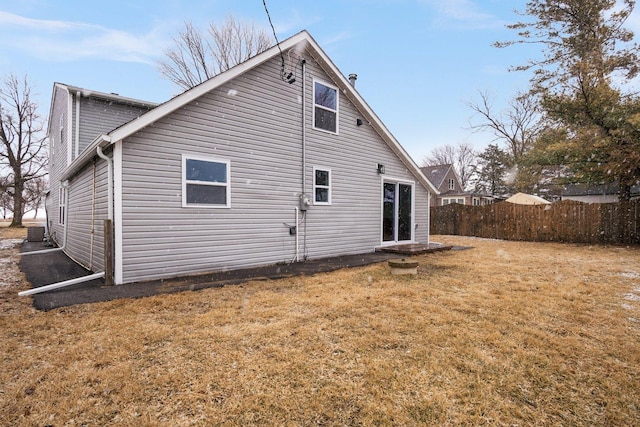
[380, 168]
[358, 122]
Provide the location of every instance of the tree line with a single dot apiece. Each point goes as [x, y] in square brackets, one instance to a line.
[578, 122]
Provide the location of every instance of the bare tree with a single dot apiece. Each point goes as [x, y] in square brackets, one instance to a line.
[197, 57]
[22, 141]
[517, 127]
[461, 156]
[6, 201]
[34, 192]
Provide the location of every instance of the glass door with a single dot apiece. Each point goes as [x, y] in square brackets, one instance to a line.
[397, 209]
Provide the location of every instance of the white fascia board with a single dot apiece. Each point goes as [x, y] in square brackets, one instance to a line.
[88, 93]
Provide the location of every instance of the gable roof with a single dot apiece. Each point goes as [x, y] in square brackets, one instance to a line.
[113, 97]
[304, 39]
[436, 174]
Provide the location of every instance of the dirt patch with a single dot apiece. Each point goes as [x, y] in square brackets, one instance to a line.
[506, 333]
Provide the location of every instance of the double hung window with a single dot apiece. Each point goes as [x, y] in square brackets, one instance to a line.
[62, 204]
[325, 107]
[322, 186]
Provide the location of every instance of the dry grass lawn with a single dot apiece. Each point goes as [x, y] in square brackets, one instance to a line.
[504, 334]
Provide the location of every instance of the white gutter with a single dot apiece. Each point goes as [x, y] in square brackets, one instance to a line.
[61, 284]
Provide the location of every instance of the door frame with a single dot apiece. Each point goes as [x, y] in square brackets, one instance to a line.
[396, 181]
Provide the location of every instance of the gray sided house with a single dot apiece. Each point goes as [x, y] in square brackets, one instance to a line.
[256, 166]
[445, 179]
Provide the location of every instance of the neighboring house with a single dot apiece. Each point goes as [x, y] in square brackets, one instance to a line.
[256, 166]
[596, 193]
[445, 179]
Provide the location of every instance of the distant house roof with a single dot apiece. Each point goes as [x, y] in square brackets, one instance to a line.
[436, 174]
[596, 189]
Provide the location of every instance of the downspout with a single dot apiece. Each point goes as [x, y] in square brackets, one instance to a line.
[61, 284]
[110, 190]
[93, 215]
[66, 216]
[69, 142]
[109, 181]
[77, 138]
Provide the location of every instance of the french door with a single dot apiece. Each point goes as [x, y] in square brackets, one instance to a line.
[397, 212]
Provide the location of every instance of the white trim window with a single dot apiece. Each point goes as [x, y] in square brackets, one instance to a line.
[62, 204]
[325, 107]
[61, 138]
[452, 200]
[452, 184]
[321, 186]
[205, 182]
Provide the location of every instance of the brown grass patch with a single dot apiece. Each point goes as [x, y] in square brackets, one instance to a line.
[507, 333]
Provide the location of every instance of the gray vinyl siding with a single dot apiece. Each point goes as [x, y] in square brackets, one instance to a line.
[255, 123]
[99, 116]
[57, 160]
[87, 211]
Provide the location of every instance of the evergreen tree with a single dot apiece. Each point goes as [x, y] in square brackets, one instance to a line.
[589, 60]
[494, 172]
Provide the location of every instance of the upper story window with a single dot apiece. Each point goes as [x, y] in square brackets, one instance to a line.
[452, 184]
[205, 182]
[61, 129]
[325, 107]
[321, 186]
[62, 204]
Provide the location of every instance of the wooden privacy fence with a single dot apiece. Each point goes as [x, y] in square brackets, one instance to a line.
[566, 221]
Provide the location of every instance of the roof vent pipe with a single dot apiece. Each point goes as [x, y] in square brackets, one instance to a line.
[352, 79]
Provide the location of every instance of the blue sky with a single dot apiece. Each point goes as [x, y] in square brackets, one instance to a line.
[418, 61]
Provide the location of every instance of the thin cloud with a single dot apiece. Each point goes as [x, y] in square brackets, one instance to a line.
[336, 38]
[462, 14]
[68, 41]
[9, 19]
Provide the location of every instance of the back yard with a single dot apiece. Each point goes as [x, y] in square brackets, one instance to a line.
[507, 333]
